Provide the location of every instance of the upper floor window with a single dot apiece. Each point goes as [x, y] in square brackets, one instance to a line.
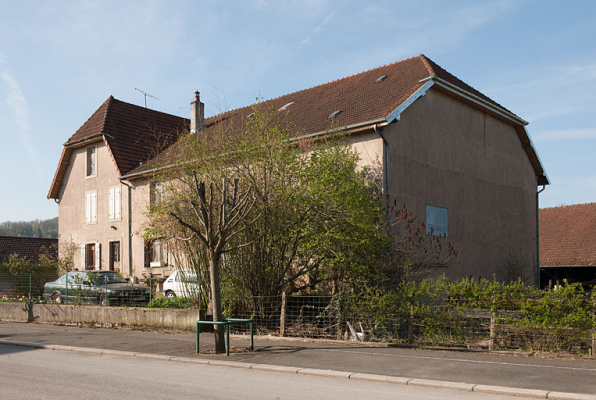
[114, 203]
[91, 161]
[156, 193]
[437, 221]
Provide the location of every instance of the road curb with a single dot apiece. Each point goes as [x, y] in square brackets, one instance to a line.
[468, 387]
[533, 393]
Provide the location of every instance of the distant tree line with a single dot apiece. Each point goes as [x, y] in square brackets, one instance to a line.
[37, 229]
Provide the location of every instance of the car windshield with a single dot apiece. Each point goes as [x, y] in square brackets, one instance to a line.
[103, 279]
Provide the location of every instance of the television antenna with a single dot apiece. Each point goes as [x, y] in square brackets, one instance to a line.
[146, 94]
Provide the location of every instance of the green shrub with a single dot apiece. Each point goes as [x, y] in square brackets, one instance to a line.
[164, 302]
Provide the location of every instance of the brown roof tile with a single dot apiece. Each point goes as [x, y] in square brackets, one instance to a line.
[28, 247]
[359, 97]
[129, 130]
[132, 134]
[568, 236]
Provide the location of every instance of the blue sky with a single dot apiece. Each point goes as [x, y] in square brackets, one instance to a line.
[60, 60]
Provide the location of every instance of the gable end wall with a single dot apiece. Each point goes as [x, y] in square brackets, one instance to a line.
[448, 154]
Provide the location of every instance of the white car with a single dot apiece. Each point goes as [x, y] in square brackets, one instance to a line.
[181, 284]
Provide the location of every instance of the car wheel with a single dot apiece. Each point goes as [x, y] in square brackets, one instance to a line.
[57, 298]
[170, 294]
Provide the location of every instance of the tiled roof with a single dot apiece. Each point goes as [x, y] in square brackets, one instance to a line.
[132, 135]
[568, 236]
[27, 247]
[361, 98]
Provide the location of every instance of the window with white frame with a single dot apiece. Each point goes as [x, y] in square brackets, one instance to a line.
[91, 256]
[156, 254]
[437, 221]
[91, 207]
[156, 193]
[114, 203]
[91, 161]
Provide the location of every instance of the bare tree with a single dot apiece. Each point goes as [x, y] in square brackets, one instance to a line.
[218, 215]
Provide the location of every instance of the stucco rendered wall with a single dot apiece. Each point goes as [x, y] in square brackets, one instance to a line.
[134, 317]
[72, 224]
[447, 154]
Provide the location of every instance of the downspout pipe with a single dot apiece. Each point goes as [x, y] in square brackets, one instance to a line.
[386, 154]
[129, 216]
[538, 235]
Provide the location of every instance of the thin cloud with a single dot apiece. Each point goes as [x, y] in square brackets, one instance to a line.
[567, 134]
[317, 29]
[17, 102]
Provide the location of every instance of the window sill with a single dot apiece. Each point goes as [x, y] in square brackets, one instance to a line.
[157, 264]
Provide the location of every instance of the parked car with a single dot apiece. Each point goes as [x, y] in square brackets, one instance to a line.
[181, 283]
[95, 287]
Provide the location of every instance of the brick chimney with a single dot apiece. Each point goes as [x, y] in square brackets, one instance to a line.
[197, 114]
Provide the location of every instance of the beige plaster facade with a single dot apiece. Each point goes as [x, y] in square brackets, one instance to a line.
[106, 230]
[442, 153]
[436, 145]
[447, 154]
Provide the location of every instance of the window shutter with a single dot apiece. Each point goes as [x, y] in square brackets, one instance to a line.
[97, 256]
[117, 202]
[94, 207]
[87, 207]
[111, 205]
[83, 258]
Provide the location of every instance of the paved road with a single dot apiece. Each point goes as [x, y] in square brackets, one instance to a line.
[576, 376]
[46, 374]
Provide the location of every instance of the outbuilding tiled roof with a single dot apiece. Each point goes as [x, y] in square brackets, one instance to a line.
[568, 236]
[28, 247]
[131, 133]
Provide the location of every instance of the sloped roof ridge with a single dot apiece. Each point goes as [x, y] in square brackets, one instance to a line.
[106, 116]
[570, 206]
[103, 108]
[425, 61]
[319, 85]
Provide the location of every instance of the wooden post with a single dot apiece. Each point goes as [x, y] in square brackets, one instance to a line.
[282, 317]
[493, 320]
[411, 326]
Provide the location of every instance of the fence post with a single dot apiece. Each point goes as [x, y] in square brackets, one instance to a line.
[493, 321]
[282, 317]
[151, 287]
[29, 287]
[593, 342]
[411, 325]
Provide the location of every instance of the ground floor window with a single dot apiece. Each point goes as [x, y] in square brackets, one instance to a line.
[91, 256]
[156, 254]
[115, 256]
[437, 221]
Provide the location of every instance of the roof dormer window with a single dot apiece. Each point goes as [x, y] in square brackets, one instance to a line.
[286, 106]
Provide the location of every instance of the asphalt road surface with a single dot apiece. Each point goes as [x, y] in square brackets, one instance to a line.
[27, 373]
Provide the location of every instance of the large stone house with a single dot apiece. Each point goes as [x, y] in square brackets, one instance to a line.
[456, 158]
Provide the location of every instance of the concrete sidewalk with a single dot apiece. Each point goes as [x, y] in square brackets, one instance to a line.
[470, 371]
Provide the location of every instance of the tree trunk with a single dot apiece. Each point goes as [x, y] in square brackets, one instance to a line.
[219, 330]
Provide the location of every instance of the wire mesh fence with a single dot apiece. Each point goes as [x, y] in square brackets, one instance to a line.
[105, 288]
[546, 324]
[500, 326]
